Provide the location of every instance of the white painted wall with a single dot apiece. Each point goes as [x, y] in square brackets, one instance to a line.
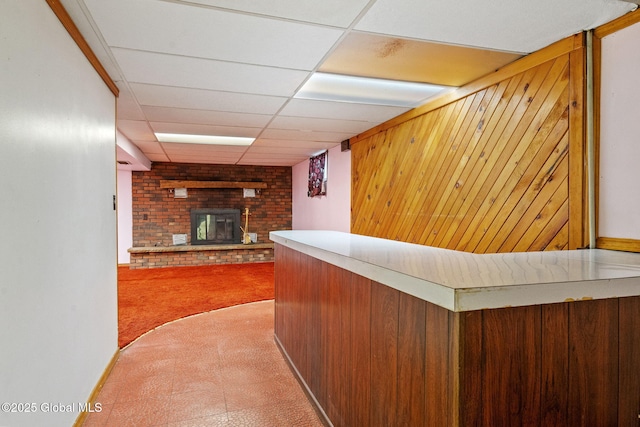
[128, 152]
[619, 210]
[58, 288]
[330, 212]
[125, 216]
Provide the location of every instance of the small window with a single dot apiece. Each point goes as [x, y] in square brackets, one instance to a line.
[318, 175]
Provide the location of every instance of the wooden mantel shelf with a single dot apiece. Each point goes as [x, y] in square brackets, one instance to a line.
[211, 184]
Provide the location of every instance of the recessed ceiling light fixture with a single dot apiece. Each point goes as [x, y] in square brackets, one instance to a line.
[366, 90]
[203, 139]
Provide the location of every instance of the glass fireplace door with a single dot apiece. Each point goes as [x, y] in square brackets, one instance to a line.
[216, 226]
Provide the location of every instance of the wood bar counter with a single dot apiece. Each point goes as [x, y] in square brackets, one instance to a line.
[385, 333]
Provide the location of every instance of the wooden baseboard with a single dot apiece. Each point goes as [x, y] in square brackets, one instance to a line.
[96, 390]
[616, 244]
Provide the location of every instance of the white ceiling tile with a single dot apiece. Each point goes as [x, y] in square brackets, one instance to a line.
[195, 129]
[341, 110]
[136, 130]
[206, 160]
[339, 13]
[158, 157]
[186, 30]
[523, 26]
[282, 158]
[212, 159]
[260, 159]
[316, 124]
[284, 143]
[287, 151]
[298, 135]
[182, 71]
[128, 107]
[200, 99]
[267, 162]
[200, 149]
[205, 117]
[149, 147]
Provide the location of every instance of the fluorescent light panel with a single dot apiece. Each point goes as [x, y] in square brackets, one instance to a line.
[365, 90]
[203, 139]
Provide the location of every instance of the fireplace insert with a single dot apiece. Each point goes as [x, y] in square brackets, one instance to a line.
[215, 226]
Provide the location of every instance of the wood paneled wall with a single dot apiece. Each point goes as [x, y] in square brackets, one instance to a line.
[495, 167]
[371, 355]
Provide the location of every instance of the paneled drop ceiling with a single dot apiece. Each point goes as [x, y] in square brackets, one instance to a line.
[233, 67]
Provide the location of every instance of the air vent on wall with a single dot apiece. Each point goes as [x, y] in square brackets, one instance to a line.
[123, 162]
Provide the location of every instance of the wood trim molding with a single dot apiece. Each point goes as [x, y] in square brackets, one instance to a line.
[578, 209]
[91, 401]
[617, 244]
[597, 84]
[553, 51]
[75, 34]
[617, 24]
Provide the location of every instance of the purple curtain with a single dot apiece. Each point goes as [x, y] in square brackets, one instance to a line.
[317, 176]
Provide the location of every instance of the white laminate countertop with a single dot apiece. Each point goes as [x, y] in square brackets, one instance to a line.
[462, 281]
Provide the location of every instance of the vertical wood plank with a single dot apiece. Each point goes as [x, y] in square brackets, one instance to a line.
[384, 354]
[593, 363]
[629, 389]
[454, 375]
[411, 365]
[280, 284]
[469, 408]
[438, 367]
[578, 227]
[316, 278]
[302, 314]
[330, 333]
[511, 368]
[337, 353]
[555, 365]
[359, 403]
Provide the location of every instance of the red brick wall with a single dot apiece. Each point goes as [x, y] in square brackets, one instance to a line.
[157, 215]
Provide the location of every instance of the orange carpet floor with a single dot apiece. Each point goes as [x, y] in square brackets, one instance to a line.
[148, 298]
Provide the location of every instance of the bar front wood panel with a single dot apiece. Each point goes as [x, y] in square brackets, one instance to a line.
[555, 364]
[384, 354]
[498, 170]
[371, 355]
[629, 403]
[359, 379]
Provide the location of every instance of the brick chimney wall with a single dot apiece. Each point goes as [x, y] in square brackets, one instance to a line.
[157, 215]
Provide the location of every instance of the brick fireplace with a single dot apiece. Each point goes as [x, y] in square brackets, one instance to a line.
[158, 214]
